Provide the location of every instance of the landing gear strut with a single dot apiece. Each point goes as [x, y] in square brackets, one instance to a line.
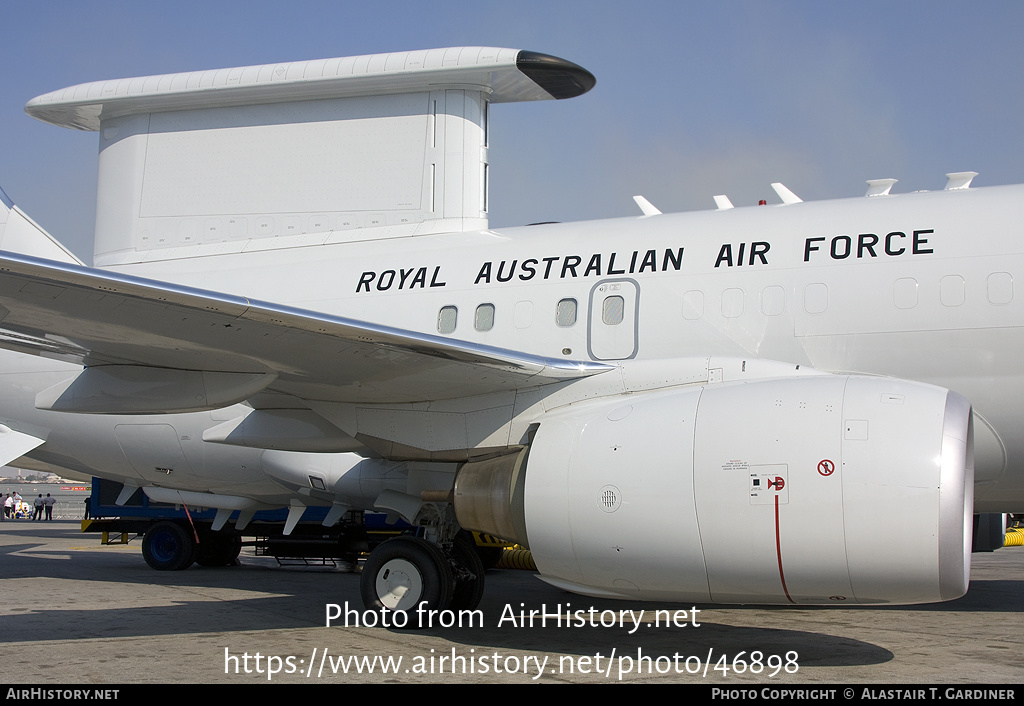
[468, 570]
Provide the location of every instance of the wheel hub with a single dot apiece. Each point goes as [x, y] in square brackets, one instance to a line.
[399, 585]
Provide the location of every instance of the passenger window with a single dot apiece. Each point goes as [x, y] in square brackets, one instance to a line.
[732, 303]
[446, 319]
[484, 319]
[815, 298]
[614, 308]
[1000, 288]
[904, 293]
[951, 290]
[565, 313]
[773, 300]
[693, 305]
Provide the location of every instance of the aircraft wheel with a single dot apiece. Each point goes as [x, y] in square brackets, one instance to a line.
[168, 546]
[219, 549]
[403, 573]
[469, 573]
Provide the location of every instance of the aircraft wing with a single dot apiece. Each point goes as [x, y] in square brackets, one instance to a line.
[160, 334]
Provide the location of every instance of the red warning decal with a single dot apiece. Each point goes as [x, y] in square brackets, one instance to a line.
[778, 483]
[826, 467]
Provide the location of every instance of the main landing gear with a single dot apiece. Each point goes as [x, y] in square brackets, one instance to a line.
[413, 576]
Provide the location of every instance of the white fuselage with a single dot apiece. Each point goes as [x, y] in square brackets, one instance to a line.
[915, 286]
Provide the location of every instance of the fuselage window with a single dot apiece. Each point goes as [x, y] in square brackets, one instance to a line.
[904, 293]
[484, 319]
[1000, 288]
[565, 313]
[446, 319]
[613, 310]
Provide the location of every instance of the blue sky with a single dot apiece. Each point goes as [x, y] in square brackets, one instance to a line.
[692, 98]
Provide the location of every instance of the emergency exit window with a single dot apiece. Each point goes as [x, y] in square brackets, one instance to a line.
[612, 312]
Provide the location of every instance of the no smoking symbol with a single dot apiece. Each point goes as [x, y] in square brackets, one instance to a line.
[826, 467]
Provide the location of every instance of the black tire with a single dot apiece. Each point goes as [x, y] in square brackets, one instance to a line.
[218, 549]
[168, 546]
[402, 573]
[469, 573]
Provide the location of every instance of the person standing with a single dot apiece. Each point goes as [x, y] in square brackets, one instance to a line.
[37, 508]
[48, 503]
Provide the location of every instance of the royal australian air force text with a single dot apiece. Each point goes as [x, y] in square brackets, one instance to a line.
[815, 250]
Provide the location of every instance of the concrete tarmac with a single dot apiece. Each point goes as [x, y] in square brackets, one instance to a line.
[73, 611]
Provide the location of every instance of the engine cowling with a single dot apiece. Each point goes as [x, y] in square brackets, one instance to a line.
[814, 490]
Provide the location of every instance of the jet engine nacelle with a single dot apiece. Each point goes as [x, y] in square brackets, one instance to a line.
[815, 490]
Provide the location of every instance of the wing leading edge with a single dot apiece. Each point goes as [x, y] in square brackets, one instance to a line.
[98, 318]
